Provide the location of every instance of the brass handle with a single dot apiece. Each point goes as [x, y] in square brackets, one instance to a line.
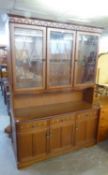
[51, 135]
[47, 136]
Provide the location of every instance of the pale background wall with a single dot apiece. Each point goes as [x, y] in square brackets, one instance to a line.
[102, 69]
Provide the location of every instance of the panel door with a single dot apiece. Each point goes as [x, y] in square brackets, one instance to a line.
[85, 61]
[40, 139]
[24, 146]
[28, 57]
[60, 53]
[103, 124]
[68, 131]
[55, 135]
[81, 129]
[92, 126]
[24, 142]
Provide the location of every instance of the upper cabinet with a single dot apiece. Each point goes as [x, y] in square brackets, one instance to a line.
[85, 61]
[28, 53]
[60, 55]
[47, 55]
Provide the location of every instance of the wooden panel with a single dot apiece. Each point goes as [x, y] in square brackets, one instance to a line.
[24, 126]
[50, 110]
[81, 132]
[13, 135]
[103, 124]
[39, 138]
[92, 128]
[68, 131]
[86, 128]
[104, 118]
[22, 101]
[55, 135]
[102, 134]
[24, 145]
[81, 128]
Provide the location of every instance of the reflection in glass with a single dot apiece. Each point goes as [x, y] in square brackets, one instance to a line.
[29, 58]
[87, 50]
[60, 58]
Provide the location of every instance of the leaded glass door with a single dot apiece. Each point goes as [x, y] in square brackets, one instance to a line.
[60, 53]
[28, 57]
[86, 56]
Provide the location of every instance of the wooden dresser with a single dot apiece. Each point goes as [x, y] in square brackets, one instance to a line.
[52, 77]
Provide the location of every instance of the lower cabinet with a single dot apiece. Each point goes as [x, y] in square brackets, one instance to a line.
[103, 124]
[43, 138]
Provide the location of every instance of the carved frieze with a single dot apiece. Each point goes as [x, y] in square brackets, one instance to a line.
[21, 20]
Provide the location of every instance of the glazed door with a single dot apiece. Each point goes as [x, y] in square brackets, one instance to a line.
[85, 61]
[28, 56]
[60, 53]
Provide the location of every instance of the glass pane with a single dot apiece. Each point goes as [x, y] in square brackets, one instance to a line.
[29, 58]
[60, 58]
[87, 51]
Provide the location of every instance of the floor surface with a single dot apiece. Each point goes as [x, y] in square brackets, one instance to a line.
[88, 161]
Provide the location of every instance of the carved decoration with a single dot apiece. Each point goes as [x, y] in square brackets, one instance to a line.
[21, 20]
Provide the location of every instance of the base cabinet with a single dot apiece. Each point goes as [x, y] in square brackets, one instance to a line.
[44, 138]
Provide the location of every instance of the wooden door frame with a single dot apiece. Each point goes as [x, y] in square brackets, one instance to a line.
[80, 85]
[12, 43]
[72, 58]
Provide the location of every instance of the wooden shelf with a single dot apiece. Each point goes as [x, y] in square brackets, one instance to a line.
[50, 110]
